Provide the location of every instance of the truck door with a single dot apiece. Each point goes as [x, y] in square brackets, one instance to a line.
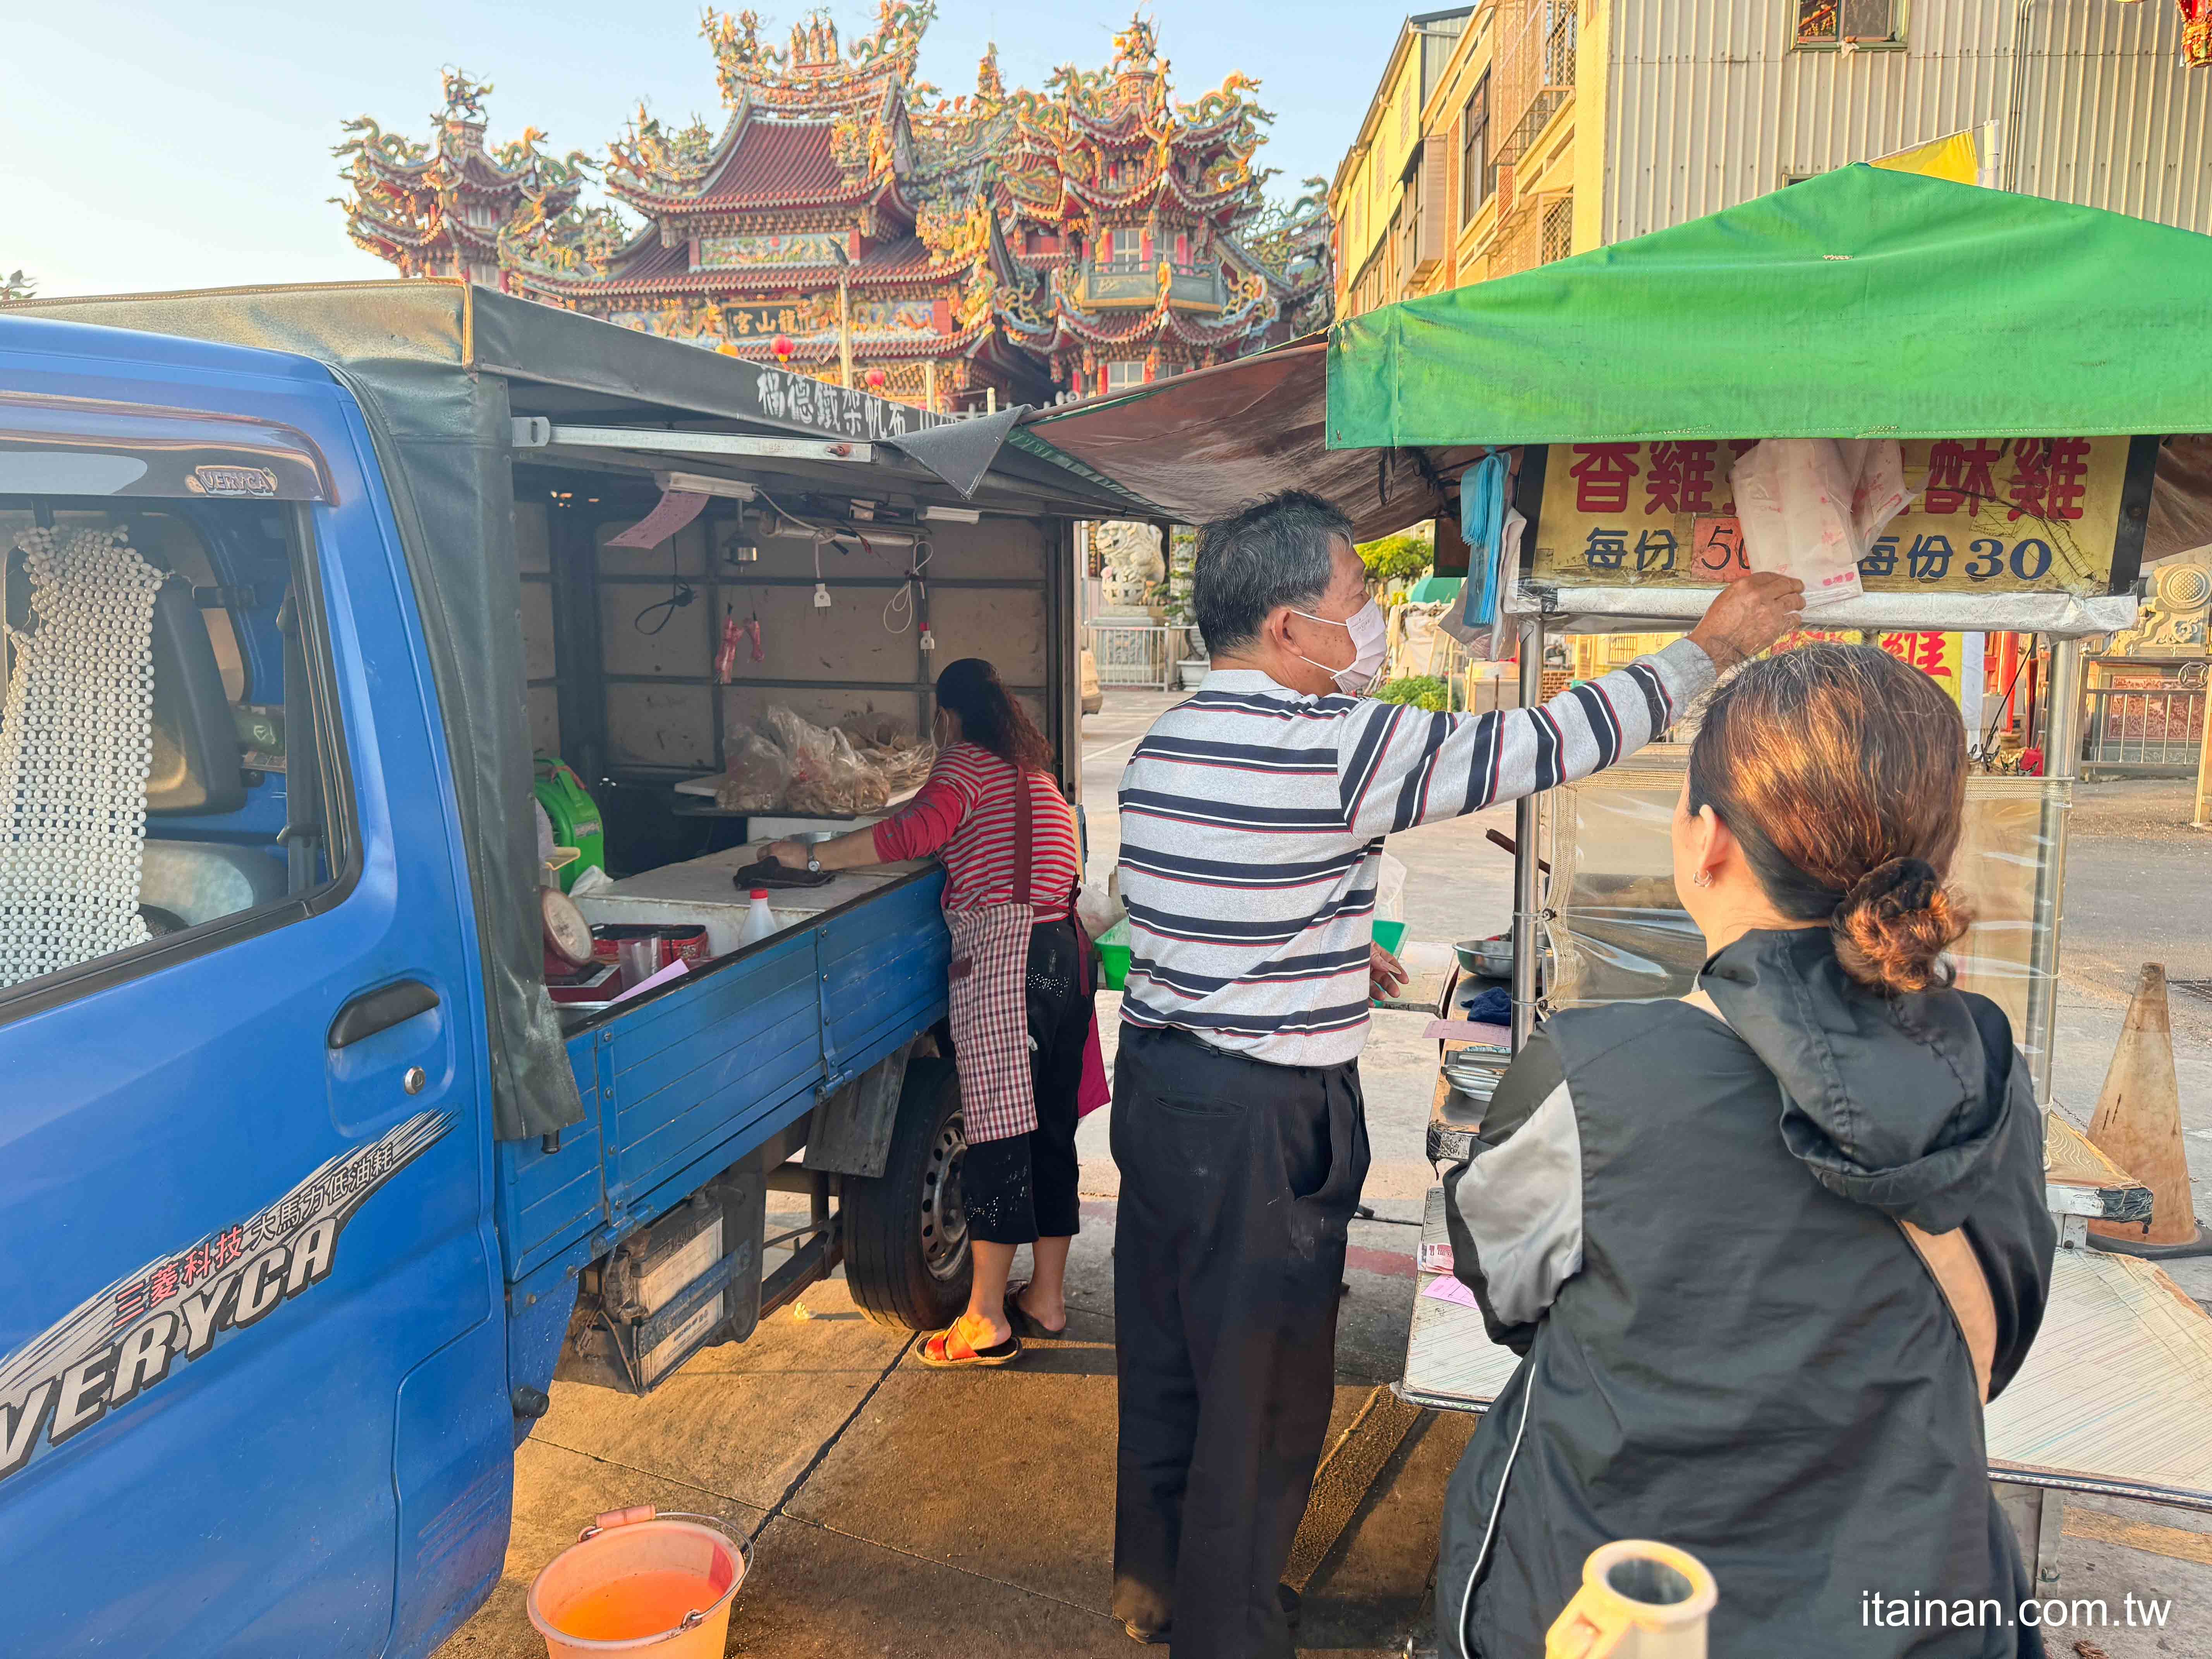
[252, 1389]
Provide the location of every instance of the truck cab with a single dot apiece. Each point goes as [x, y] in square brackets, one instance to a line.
[310, 1189]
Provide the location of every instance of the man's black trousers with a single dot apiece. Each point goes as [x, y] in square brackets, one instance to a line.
[1238, 1182]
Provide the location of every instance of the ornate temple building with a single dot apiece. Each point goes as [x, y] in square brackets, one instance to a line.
[849, 221]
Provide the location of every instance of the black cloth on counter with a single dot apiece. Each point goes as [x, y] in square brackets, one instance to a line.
[766, 872]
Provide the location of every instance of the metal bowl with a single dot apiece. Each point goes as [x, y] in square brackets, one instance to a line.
[1473, 1073]
[1492, 959]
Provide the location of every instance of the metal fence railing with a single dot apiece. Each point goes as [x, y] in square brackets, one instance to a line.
[2137, 732]
[1139, 653]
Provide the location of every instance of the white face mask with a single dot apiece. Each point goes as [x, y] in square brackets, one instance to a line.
[1370, 638]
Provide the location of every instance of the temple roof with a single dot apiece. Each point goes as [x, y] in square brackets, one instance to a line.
[666, 269]
[771, 164]
[944, 195]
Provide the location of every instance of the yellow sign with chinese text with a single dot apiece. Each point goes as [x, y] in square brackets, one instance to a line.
[1992, 515]
[1942, 656]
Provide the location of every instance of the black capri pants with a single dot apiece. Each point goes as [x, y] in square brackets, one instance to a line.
[1023, 1189]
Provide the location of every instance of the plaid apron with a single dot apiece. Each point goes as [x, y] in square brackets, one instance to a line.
[988, 999]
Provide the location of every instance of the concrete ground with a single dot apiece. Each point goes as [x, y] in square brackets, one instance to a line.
[896, 1510]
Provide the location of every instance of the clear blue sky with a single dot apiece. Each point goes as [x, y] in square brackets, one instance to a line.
[151, 146]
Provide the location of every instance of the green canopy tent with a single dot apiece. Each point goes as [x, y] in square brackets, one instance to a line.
[1862, 303]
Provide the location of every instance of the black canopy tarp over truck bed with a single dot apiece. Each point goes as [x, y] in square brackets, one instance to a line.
[442, 370]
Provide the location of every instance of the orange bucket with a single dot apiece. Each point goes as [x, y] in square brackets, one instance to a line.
[636, 1581]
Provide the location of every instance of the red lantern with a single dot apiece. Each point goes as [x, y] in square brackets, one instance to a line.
[876, 379]
[782, 347]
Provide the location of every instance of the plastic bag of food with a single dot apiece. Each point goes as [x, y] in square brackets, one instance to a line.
[806, 750]
[874, 730]
[756, 777]
[1098, 910]
[855, 780]
[829, 778]
[1793, 497]
[1878, 488]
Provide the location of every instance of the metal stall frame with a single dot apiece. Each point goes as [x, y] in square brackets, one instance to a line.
[2068, 617]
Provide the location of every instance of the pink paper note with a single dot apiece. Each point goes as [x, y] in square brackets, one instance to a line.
[677, 508]
[675, 969]
[1446, 1288]
[1469, 1030]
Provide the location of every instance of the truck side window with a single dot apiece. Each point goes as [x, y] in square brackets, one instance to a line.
[166, 737]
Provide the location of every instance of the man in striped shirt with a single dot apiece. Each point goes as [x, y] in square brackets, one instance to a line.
[1253, 817]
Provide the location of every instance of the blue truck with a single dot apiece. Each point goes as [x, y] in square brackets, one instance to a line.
[308, 1190]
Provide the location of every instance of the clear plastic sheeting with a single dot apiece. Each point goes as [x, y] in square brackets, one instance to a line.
[1617, 932]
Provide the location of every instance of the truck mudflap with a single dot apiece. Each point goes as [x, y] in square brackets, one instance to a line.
[689, 1280]
[851, 1130]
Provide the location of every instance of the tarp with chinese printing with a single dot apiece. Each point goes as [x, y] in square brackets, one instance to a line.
[1862, 303]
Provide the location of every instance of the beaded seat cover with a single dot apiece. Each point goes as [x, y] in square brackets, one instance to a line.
[76, 741]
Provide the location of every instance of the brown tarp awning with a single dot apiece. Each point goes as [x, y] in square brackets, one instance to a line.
[2181, 501]
[1199, 445]
[1196, 445]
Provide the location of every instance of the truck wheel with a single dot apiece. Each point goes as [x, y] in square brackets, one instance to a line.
[906, 1258]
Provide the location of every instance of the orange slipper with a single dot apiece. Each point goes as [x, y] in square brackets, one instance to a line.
[951, 1348]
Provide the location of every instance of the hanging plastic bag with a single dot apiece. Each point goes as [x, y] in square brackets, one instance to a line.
[1793, 497]
[1878, 490]
[1482, 507]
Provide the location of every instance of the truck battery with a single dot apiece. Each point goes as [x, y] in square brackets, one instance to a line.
[690, 1280]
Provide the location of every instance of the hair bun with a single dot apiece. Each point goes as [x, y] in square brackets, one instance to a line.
[1894, 925]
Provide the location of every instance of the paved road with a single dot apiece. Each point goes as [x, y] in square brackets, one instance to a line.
[900, 1512]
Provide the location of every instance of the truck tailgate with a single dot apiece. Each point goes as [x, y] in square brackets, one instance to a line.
[687, 1080]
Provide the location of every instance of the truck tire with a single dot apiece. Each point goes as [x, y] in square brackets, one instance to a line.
[908, 1261]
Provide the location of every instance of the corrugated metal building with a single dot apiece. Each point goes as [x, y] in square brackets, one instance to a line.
[1711, 102]
[1555, 126]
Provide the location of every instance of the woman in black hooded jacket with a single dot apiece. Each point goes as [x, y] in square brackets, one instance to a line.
[1713, 1227]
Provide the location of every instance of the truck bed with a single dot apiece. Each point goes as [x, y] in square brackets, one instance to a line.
[686, 1080]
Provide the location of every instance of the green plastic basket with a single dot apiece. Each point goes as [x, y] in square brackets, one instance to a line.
[1389, 935]
[1113, 947]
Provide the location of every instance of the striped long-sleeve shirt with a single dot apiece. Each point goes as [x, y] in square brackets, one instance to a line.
[964, 813]
[1252, 826]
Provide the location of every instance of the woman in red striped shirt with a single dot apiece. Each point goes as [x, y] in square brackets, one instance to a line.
[1020, 996]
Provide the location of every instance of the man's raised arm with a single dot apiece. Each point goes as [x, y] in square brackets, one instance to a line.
[1399, 767]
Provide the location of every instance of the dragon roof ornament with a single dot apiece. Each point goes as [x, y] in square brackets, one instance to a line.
[407, 197]
[812, 74]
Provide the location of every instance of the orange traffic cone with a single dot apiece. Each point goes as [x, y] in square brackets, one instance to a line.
[2138, 1126]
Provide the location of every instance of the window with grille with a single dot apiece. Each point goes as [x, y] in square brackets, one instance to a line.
[1124, 372]
[1859, 22]
[1125, 243]
[1476, 178]
[1558, 229]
